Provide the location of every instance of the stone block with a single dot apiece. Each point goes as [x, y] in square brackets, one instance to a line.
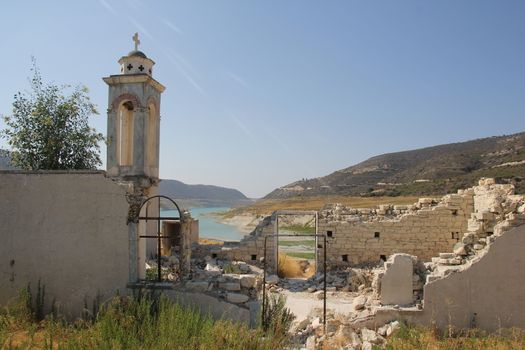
[237, 298]
[212, 270]
[272, 279]
[370, 336]
[460, 249]
[248, 281]
[197, 286]
[396, 284]
[359, 302]
[394, 326]
[230, 286]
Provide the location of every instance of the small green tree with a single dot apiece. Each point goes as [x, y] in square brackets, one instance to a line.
[49, 128]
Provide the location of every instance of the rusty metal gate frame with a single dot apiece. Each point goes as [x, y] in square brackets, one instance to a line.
[277, 264]
[158, 236]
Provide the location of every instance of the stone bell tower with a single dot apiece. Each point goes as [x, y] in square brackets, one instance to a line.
[134, 120]
[133, 146]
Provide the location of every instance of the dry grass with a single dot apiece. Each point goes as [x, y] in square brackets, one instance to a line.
[290, 267]
[209, 241]
[32, 339]
[126, 323]
[416, 338]
[267, 206]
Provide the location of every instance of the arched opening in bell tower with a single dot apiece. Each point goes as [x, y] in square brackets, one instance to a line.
[125, 133]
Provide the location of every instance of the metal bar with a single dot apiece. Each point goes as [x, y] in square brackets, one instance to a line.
[276, 242]
[159, 260]
[324, 273]
[316, 244]
[295, 212]
[156, 218]
[324, 287]
[159, 197]
[263, 315]
[296, 235]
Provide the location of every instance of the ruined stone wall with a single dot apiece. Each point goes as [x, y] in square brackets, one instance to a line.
[423, 229]
[67, 229]
[497, 209]
[251, 248]
[479, 282]
[358, 236]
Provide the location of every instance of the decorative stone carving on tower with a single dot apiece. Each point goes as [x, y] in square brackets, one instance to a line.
[134, 120]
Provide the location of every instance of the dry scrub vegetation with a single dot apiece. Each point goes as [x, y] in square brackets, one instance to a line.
[134, 323]
[267, 206]
[419, 338]
[290, 267]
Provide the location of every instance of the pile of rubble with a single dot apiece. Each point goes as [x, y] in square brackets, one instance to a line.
[345, 279]
[340, 333]
[170, 268]
[236, 282]
[339, 212]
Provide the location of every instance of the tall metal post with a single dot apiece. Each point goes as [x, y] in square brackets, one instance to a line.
[276, 242]
[263, 315]
[264, 304]
[159, 260]
[324, 287]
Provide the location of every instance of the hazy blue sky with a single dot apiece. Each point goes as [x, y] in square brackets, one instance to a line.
[262, 93]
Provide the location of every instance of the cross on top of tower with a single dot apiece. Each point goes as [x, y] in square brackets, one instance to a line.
[136, 40]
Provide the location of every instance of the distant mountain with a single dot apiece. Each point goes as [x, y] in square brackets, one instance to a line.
[202, 195]
[432, 170]
[186, 195]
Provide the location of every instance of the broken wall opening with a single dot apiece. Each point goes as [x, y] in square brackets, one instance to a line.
[172, 244]
[296, 244]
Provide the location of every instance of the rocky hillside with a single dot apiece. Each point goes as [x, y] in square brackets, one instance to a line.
[202, 195]
[432, 170]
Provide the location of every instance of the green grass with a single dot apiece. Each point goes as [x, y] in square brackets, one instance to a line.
[301, 255]
[307, 243]
[299, 229]
[127, 323]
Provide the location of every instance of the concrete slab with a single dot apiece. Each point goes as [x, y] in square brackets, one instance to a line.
[396, 284]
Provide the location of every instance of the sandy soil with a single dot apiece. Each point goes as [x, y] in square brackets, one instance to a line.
[301, 304]
[245, 223]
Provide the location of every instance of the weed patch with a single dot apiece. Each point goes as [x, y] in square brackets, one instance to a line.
[143, 322]
[416, 338]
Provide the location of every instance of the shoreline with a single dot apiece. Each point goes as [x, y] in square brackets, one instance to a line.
[244, 223]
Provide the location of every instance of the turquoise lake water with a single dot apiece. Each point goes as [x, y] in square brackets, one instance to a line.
[209, 227]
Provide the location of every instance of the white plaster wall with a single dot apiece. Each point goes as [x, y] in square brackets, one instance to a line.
[67, 229]
[489, 295]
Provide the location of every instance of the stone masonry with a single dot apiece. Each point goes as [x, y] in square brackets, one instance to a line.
[357, 236]
[251, 247]
[369, 235]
